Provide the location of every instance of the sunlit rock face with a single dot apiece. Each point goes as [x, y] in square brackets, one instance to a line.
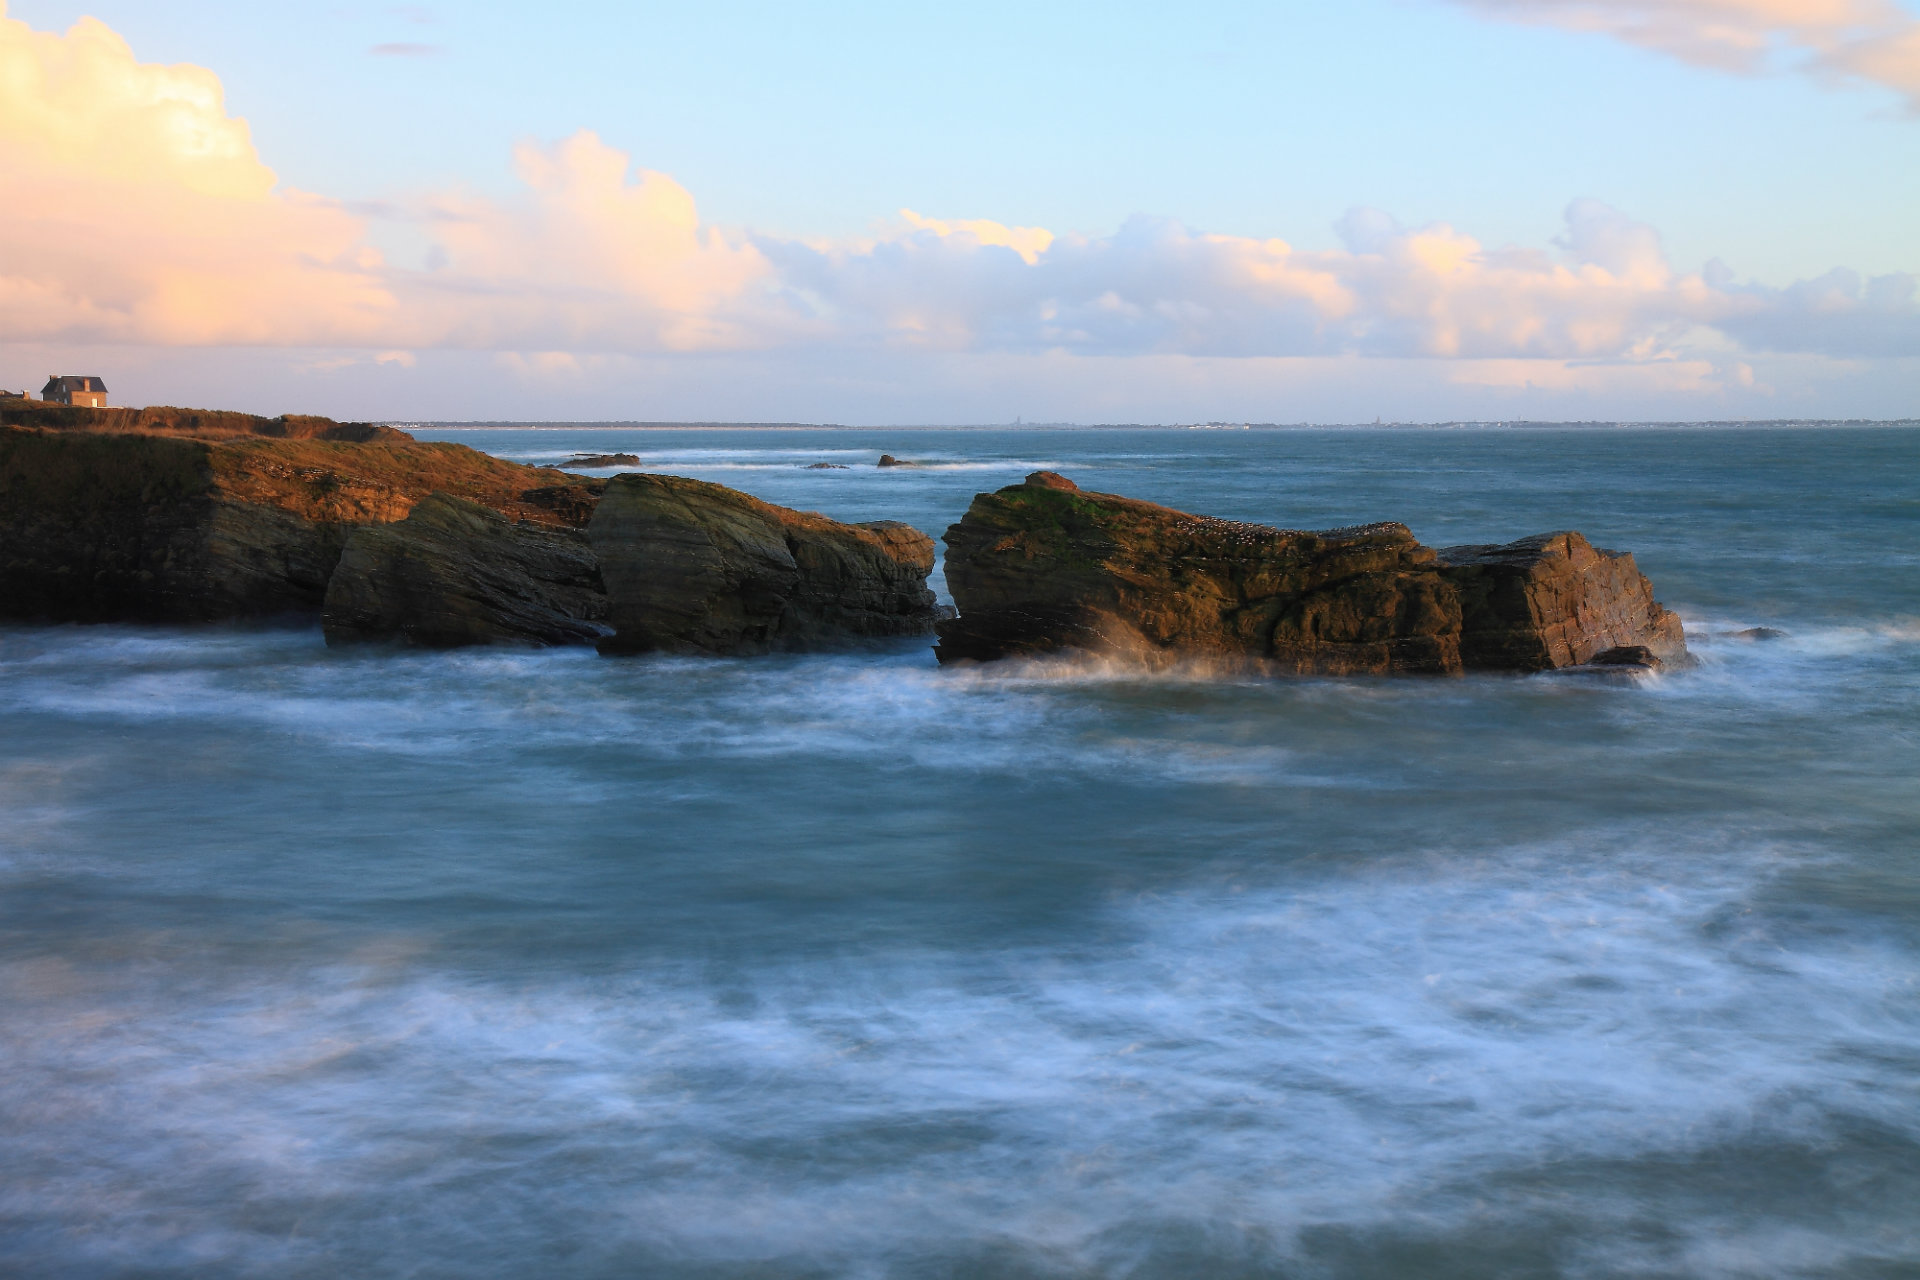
[693, 567]
[455, 572]
[1044, 567]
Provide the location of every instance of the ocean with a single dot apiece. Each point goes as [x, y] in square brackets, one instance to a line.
[537, 963]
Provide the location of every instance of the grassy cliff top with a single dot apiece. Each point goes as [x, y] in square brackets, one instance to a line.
[199, 424]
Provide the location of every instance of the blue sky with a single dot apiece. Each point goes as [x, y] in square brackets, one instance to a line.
[1253, 122]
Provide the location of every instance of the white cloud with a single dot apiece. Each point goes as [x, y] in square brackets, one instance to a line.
[1875, 41]
[1607, 292]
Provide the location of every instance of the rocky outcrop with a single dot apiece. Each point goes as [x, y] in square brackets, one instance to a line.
[101, 527]
[1043, 567]
[604, 460]
[1554, 600]
[455, 572]
[693, 567]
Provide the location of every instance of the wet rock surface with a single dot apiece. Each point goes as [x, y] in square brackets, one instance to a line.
[455, 572]
[693, 567]
[1044, 567]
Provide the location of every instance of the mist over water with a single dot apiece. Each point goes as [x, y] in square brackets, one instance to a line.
[538, 963]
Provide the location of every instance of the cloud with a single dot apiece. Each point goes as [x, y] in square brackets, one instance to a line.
[137, 211]
[405, 49]
[1605, 292]
[1874, 41]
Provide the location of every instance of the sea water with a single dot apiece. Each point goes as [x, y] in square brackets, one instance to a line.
[493, 962]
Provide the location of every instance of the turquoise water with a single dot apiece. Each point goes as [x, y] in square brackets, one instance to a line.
[518, 963]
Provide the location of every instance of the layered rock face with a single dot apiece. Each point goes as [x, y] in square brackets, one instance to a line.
[455, 572]
[1043, 567]
[692, 567]
[119, 527]
[1555, 600]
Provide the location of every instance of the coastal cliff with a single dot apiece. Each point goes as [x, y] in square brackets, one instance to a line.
[693, 567]
[1043, 567]
[99, 526]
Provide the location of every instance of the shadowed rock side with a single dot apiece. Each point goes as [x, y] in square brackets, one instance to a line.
[1043, 567]
[125, 527]
[455, 572]
[692, 567]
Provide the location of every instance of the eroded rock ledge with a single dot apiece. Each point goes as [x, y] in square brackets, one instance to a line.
[1044, 567]
[693, 567]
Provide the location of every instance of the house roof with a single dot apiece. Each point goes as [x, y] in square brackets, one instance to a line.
[73, 382]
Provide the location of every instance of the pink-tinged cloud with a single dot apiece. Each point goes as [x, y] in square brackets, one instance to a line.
[1875, 41]
[135, 210]
[588, 257]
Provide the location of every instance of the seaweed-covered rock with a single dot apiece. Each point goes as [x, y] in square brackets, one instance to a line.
[693, 567]
[1044, 567]
[455, 572]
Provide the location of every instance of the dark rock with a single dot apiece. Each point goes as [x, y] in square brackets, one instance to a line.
[828, 466]
[1043, 567]
[455, 572]
[604, 460]
[1751, 634]
[570, 504]
[1627, 661]
[104, 527]
[888, 460]
[693, 567]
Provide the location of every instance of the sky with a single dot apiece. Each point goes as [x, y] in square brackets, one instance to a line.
[1414, 210]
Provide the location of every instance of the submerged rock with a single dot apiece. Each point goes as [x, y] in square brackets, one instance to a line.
[826, 466]
[455, 572]
[104, 527]
[1043, 567]
[1627, 661]
[693, 567]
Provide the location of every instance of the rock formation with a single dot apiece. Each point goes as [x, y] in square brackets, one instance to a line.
[692, 567]
[604, 460]
[136, 527]
[455, 572]
[1042, 567]
[1554, 600]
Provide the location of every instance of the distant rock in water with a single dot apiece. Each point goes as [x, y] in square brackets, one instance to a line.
[1751, 634]
[693, 567]
[455, 572]
[1044, 567]
[827, 466]
[888, 460]
[603, 460]
[131, 527]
